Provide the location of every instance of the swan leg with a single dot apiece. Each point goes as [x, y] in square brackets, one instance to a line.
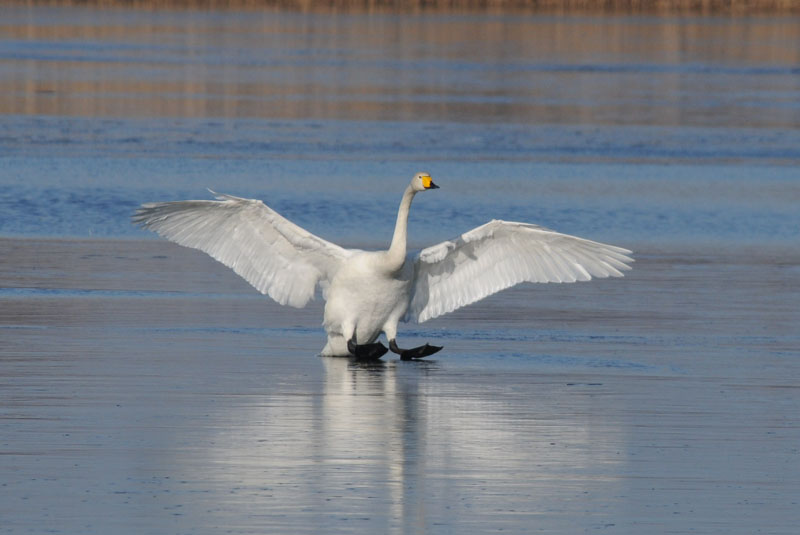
[366, 351]
[415, 352]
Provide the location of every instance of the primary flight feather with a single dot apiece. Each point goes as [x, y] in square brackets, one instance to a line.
[368, 292]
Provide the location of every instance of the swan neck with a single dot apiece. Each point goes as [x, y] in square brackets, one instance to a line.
[397, 251]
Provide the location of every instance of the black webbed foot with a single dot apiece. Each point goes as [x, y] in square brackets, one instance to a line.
[366, 351]
[415, 352]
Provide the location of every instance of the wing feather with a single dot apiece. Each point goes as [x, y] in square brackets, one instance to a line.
[276, 256]
[499, 255]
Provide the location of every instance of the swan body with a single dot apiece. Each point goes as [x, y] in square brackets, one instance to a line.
[369, 292]
[353, 311]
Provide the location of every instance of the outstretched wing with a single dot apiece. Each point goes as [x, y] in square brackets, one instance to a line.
[270, 252]
[499, 255]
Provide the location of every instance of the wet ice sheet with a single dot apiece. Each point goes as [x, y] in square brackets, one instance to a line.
[147, 388]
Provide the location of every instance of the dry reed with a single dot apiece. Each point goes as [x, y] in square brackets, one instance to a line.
[551, 6]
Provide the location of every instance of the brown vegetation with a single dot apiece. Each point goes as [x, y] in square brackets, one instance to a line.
[552, 6]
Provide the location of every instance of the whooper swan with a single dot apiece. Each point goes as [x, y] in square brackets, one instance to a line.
[369, 292]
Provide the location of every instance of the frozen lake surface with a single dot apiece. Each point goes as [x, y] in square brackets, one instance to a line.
[147, 390]
[144, 388]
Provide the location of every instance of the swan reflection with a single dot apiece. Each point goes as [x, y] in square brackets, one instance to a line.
[404, 445]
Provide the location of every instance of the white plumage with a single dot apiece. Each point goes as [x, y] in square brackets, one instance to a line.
[367, 292]
[270, 252]
[500, 254]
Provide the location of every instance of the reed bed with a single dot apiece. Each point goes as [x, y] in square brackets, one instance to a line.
[552, 6]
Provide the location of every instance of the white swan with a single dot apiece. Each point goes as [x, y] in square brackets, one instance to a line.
[369, 292]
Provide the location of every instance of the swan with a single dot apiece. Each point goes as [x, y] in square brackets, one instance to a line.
[367, 293]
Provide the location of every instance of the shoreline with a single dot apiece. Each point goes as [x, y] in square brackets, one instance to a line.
[496, 7]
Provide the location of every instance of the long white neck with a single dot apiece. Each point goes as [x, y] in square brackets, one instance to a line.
[397, 250]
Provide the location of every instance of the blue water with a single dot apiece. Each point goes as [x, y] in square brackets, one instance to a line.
[80, 177]
[544, 119]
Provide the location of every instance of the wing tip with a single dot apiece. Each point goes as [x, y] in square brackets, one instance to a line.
[141, 215]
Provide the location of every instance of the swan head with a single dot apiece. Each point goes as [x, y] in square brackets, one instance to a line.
[422, 181]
